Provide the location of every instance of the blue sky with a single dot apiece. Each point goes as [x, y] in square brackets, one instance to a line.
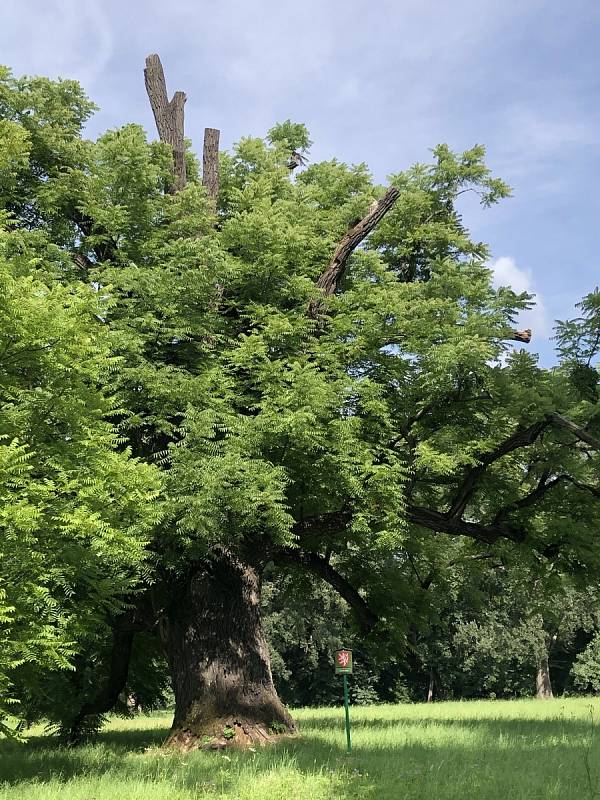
[380, 82]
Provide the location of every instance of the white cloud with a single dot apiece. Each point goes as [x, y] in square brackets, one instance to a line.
[507, 273]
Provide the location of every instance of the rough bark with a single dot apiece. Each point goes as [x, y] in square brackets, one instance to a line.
[218, 655]
[543, 686]
[210, 164]
[169, 116]
[219, 660]
[520, 336]
[330, 278]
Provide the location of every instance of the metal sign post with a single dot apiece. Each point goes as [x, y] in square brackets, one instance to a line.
[343, 666]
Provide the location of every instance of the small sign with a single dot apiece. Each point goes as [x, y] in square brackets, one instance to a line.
[343, 666]
[343, 662]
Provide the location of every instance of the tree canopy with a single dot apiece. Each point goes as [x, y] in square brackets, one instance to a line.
[310, 371]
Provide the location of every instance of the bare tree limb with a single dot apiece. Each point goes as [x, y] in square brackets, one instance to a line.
[168, 116]
[319, 566]
[506, 336]
[330, 278]
[520, 336]
[83, 262]
[210, 164]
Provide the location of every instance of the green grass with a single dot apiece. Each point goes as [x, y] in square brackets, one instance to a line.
[484, 750]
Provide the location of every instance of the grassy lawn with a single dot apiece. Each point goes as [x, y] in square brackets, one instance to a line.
[483, 750]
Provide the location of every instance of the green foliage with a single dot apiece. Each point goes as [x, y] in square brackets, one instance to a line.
[164, 391]
[579, 339]
[578, 342]
[305, 623]
[75, 513]
[586, 669]
[478, 631]
[290, 135]
[277, 727]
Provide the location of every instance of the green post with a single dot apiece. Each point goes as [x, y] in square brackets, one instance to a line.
[343, 666]
[346, 706]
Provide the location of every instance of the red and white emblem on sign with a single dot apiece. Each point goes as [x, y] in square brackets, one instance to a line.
[343, 657]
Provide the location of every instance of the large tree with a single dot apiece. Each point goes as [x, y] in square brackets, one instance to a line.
[319, 364]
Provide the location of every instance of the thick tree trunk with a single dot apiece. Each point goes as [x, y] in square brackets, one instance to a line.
[219, 660]
[543, 686]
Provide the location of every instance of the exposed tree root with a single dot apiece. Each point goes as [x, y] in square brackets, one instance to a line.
[227, 732]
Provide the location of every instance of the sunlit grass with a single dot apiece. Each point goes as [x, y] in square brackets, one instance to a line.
[484, 750]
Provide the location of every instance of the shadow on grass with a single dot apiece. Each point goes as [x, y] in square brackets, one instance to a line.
[43, 758]
[113, 740]
[373, 770]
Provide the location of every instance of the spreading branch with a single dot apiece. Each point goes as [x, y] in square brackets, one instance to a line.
[499, 528]
[319, 566]
[438, 522]
[331, 277]
[452, 521]
[544, 486]
[579, 432]
[168, 116]
[541, 489]
[520, 438]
